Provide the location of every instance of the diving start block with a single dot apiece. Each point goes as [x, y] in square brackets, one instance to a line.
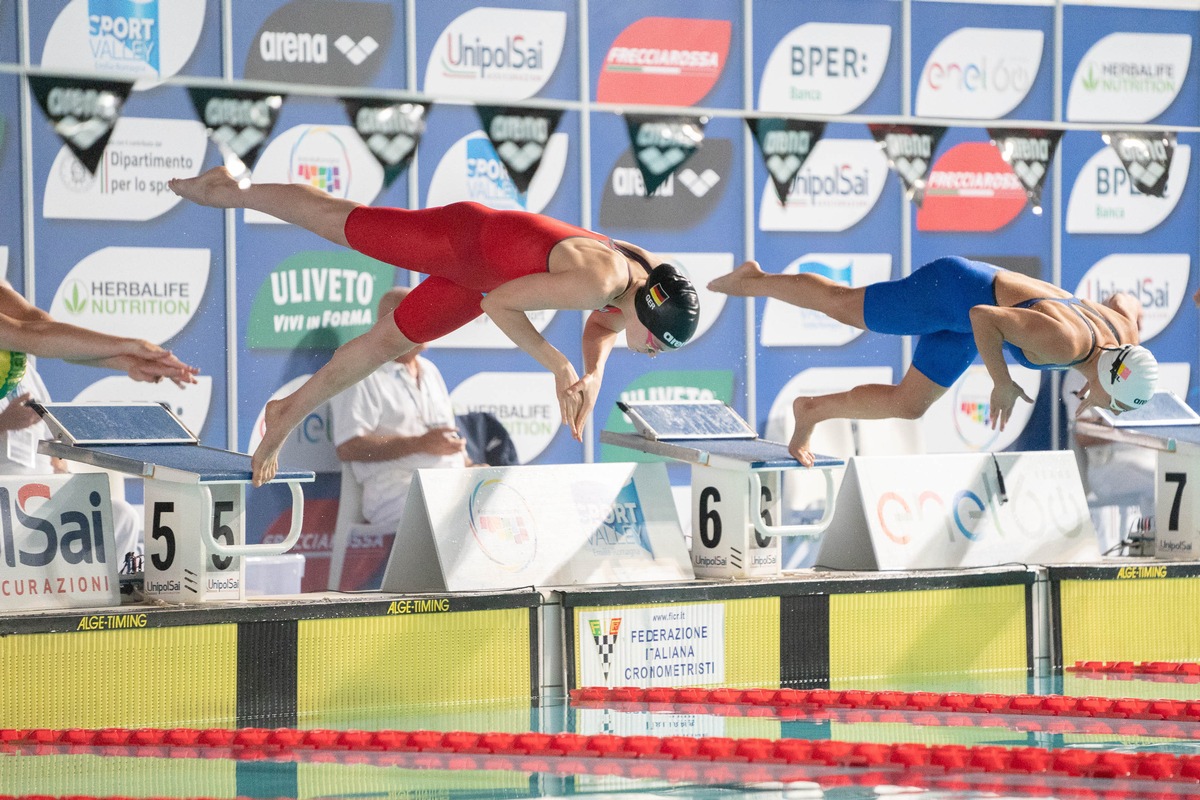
[736, 482]
[195, 495]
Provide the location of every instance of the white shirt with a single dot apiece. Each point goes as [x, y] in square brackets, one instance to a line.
[389, 401]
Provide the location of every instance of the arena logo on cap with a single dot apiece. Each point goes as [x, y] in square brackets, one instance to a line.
[497, 53]
[311, 41]
[979, 73]
[144, 40]
[640, 68]
[1129, 77]
[838, 185]
[1104, 199]
[785, 325]
[141, 156]
[971, 188]
[470, 169]
[825, 68]
[1158, 280]
[524, 402]
[145, 292]
[323, 157]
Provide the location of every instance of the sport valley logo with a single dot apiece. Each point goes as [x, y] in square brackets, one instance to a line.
[312, 41]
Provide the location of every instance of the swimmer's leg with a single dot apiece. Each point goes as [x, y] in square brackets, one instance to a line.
[350, 363]
[305, 206]
[909, 399]
[806, 290]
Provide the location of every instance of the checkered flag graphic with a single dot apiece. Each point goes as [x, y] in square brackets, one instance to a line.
[606, 642]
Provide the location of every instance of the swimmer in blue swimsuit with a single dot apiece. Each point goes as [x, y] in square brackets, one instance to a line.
[960, 309]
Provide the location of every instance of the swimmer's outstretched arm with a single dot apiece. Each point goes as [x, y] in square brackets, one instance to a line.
[351, 362]
[507, 306]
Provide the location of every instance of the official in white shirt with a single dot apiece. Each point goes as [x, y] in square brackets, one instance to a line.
[396, 421]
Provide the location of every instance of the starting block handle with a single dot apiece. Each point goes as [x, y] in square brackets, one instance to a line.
[807, 529]
[266, 549]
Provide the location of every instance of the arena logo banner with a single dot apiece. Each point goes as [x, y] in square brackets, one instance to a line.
[1104, 198]
[979, 73]
[785, 325]
[681, 202]
[1129, 77]
[472, 170]
[1158, 280]
[311, 443]
[144, 292]
[909, 150]
[663, 386]
[838, 185]
[82, 111]
[785, 145]
[1029, 152]
[661, 144]
[497, 53]
[131, 182]
[1146, 156]
[390, 130]
[237, 122]
[520, 138]
[147, 41]
[331, 44]
[665, 60]
[317, 301]
[825, 68]
[324, 157]
[971, 188]
[524, 402]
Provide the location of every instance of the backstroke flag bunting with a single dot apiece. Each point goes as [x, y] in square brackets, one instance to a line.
[520, 137]
[237, 122]
[1147, 157]
[909, 150]
[1029, 151]
[661, 144]
[785, 144]
[390, 130]
[83, 112]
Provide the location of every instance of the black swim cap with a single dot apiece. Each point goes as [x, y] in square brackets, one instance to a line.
[668, 306]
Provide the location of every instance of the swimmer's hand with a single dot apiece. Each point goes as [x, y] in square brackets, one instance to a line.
[570, 399]
[1004, 398]
[585, 389]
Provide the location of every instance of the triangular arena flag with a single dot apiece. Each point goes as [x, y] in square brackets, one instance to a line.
[909, 150]
[83, 112]
[661, 144]
[390, 130]
[237, 122]
[1029, 152]
[1147, 157]
[520, 137]
[785, 144]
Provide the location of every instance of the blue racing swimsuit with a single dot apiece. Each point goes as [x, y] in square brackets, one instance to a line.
[935, 303]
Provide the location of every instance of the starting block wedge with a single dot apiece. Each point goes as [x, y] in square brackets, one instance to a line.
[736, 482]
[195, 495]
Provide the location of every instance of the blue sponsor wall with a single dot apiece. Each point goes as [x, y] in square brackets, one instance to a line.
[295, 44]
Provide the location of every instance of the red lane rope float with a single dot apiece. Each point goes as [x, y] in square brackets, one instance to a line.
[1169, 773]
[1183, 671]
[779, 701]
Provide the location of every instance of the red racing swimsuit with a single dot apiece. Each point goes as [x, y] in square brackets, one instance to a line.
[466, 249]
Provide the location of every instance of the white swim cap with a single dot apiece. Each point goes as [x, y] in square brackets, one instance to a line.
[1129, 374]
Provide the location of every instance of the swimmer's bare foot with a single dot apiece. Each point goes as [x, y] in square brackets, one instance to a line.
[215, 188]
[741, 282]
[265, 461]
[798, 447]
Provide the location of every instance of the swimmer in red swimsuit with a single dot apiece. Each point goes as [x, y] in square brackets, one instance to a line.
[480, 261]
